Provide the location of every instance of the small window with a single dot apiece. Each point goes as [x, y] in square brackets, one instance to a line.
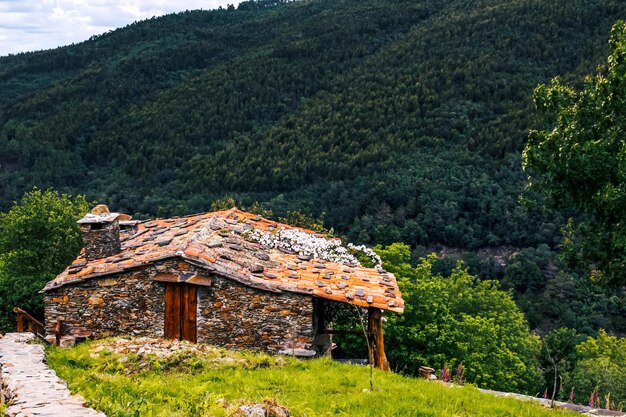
[97, 226]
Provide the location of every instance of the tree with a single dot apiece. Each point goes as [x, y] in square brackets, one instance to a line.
[602, 368]
[459, 320]
[39, 237]
[559, 358]
[579, 162]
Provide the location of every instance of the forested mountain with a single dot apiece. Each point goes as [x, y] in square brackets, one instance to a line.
[400, 120]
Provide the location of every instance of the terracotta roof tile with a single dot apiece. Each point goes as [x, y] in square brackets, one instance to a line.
[214, 241]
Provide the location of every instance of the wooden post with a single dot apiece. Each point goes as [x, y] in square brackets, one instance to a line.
[375, 330]
[20, 323]
[319, 312]
[323, 338]
[57, 333]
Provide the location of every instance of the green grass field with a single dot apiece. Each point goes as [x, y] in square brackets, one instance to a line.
[217, 382]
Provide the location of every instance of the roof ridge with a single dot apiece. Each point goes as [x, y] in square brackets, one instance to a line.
[232, 210]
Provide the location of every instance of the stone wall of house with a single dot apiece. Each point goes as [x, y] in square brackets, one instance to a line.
[129, 303]
[229, 314]
[234, 315]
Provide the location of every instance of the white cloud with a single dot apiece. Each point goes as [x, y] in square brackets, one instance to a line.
[43, 24]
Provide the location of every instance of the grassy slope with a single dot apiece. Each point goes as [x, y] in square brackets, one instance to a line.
[190, 385]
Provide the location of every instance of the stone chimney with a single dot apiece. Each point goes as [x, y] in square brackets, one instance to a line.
[101, 233]
[128, 226]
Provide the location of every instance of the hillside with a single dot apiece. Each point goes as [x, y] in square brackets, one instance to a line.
[400, 122]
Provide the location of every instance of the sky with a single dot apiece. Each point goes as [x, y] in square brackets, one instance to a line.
[29, 25]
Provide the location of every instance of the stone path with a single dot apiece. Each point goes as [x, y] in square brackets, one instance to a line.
[32, 388]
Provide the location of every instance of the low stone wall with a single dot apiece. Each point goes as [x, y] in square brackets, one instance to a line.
[587, 411]
[30, 386]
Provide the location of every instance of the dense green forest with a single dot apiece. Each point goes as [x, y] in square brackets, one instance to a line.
[393, 121]
[400, 120]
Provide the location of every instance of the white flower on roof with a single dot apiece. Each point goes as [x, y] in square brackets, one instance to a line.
[315, 246]
[369, 252]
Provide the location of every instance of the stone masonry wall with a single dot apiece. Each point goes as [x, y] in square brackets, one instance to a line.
[128, 303]
[229, 314]
[100, 243]
[236, 316]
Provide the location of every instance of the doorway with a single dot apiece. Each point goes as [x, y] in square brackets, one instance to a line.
[180, 311]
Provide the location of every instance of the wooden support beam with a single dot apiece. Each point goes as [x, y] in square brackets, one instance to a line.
[319, 315]
[377, 341]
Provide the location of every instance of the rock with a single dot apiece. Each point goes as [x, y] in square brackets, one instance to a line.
[100, 209]
[255, 410]
[95, 300]
[278, 411]
[269, 408]
[214, 243]
[67, 341]
[298, 352]
[262, 256]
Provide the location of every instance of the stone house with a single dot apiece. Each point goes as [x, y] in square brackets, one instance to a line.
[203, 278]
